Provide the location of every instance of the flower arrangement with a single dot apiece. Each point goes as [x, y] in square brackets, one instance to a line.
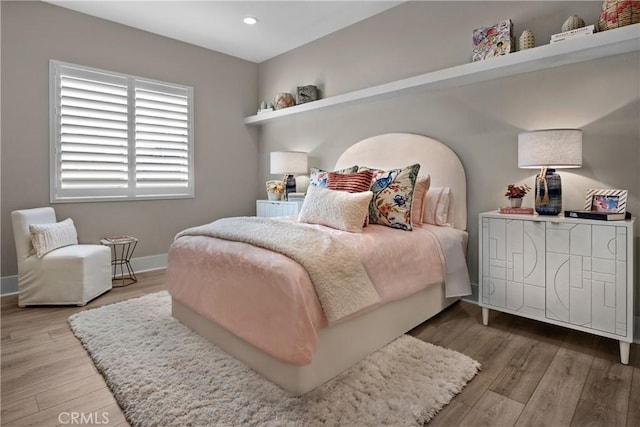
[516, 191]
[276, 187]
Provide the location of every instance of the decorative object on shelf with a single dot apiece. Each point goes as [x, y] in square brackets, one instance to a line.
[572, 34]
[549, 149]
[307, 94]
[283, 100]
[573, 22]
[515, 193]
[264, 108]
[606, 200]
[527, 41]
[618, 13]
[289, 163]
[275, 189]
[495, 40]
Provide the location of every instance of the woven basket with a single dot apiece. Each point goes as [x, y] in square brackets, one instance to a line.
[618, 13]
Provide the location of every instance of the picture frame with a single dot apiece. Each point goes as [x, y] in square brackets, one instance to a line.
[606, 200]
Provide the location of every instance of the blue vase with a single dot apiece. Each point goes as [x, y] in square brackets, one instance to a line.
[548, 194]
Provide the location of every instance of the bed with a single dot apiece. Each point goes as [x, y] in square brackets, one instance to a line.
[213, 303]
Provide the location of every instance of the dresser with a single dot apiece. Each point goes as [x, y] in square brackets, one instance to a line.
[271, 208]
[570, 272]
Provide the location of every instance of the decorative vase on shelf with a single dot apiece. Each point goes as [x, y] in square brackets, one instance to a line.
[516, 202]
[527, 41]
[273, 196]
[572, 23]
[618, 13]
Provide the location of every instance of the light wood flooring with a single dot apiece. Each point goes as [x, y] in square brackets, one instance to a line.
[533, 374]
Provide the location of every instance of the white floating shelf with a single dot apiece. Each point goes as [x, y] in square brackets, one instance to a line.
[599, 45]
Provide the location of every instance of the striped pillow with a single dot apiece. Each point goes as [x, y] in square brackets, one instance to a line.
[350, 182]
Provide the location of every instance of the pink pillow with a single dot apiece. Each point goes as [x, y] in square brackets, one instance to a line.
[419, 199]
[437, 206]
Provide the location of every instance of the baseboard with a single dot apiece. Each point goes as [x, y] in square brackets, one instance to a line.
[9, 284]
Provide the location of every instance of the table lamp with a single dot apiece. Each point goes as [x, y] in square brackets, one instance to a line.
[549, 149]
[289, 163]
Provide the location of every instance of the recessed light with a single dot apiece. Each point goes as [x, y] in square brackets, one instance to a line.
[250, 20]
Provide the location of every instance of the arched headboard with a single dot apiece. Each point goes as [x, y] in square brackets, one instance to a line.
[396, 150]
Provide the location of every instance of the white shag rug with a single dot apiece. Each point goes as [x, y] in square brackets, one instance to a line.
[164, 374]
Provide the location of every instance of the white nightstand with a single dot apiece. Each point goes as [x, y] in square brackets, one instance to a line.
[270, 208]
[576, 273]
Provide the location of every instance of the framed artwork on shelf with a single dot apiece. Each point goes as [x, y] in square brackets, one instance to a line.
[606, 200]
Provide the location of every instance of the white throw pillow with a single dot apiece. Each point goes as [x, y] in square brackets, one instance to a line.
[436, 209]
[335, 209]
[47, 237]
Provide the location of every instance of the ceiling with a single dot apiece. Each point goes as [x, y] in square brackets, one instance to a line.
[217, 25]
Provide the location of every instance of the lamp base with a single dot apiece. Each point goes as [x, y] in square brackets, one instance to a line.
[548, 193]
[289, 185]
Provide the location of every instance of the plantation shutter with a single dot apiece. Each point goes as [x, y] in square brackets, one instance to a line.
[93, 133]
[118, 137]
[161, 137]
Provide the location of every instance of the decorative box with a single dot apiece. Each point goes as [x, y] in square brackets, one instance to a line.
[307, 94]
[495, 40]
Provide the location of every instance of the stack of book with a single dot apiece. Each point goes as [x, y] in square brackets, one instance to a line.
[516, 211]
[572, 34]
[295, 197]
[601, 216]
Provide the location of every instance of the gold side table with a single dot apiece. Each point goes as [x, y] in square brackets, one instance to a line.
[122, 248]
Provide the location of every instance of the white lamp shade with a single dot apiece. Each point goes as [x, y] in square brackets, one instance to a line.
[289, 162]
[552, 148]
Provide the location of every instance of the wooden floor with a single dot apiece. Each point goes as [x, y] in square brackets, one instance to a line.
[533, 374]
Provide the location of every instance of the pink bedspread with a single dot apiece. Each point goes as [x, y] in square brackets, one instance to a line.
[268, 300]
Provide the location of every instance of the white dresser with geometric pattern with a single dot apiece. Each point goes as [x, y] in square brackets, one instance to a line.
[570, 272]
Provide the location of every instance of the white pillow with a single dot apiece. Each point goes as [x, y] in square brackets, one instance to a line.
[336, 209]
[47, 237]
[436, 210]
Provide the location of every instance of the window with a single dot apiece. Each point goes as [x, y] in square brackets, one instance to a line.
[118, 137]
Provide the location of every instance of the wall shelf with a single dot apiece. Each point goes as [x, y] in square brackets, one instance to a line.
[599, 45]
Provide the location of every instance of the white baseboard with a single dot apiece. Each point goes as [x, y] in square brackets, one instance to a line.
[9, 284]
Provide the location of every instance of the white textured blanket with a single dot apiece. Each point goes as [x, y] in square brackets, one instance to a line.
[341, 282]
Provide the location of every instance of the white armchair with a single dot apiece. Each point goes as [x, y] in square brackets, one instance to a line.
[73, 274]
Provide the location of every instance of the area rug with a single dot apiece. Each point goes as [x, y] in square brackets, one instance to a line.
[163, 374]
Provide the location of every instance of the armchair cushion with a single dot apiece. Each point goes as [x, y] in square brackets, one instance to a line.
[47, 237]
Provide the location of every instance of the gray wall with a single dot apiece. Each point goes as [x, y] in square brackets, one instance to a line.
[480, 122]
[226, 151]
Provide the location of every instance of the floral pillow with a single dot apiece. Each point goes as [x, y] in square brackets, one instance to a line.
[393, 196]
[318, 177]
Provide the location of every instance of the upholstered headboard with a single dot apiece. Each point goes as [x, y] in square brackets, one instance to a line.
[395, 150]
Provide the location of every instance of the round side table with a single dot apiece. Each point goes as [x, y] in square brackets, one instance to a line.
[122, 248]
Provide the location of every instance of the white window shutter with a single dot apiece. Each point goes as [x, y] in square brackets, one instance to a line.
[162, 135]
[118, 137]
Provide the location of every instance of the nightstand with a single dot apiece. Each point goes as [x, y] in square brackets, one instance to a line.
[271, 208]
[576, 273]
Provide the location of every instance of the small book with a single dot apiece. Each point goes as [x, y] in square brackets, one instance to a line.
[520, 211]
[601, 216]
